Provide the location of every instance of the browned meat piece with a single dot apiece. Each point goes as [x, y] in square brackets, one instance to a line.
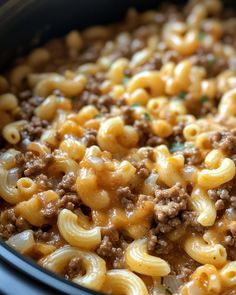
[74, 268]
[170, 202]
[11, 224]
[32, 164]
[34, 129]
[224, 140]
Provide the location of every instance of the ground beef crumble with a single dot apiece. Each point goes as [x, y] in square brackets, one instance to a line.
[192, 155]
[112, 248]
[68, 201]
[177, 133]
[141, 170]
[170, 212]
[224, 196]
[224, 140]
[90, 137]
[74, 268]
[127, 115]
[44, 182]
[102, 102]
[170, 202]
[34, 129]
[31, 164]
[43, 234]
[28, 106]
[127, 197]
[214, 65]
[10, 224]
[146, 137]
[66, 184]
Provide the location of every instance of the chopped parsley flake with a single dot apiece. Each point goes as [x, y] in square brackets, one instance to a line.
[168, 291]
[135, 105]
[182, 95]
[98, 116]
[176, 147]
[73, 97]
[125, 80]
[203, 99]
[189, 146]
[201, 36]
[211, 61]
[147, 117]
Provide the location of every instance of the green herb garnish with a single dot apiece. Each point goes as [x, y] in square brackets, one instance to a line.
[135, 105]
[181, 95]
[203, 99]
[147, 117]
[98, 116]
[176, 147]
[125, 80]
[73, 97]
[201, 36]
[211, 61]
[189, 145]
[168, 290]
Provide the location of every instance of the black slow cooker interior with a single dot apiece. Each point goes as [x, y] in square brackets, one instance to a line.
[23, 25]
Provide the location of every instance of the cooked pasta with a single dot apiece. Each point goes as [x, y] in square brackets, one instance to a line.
[118, 153]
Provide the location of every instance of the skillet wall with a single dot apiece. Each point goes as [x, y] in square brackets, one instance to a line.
[22, 21]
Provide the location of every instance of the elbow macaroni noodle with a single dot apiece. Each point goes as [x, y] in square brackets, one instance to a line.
[117, 160]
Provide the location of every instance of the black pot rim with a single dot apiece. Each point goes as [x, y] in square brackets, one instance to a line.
[36, 272]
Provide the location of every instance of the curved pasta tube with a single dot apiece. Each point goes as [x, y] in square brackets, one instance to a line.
[177, 78]
[167, 165]
[38, 57]
[8, 101]
[63, 164]
[11, 132]
[19, 73]
[31, 209]
[228, 274]
[122, 281]
[116, 72]
[204, 206]
[204, 253]
[47, 109]
[69, 87]
[184, 45]
[147, 79]
[36, 78]
[89, 192]
[209, 278]
[115, 137]
[39, 148]
[141, 57]
[227, 105]
[9, 193]
[95, 266]
[26, 187]
[74, 40]
[74, 234]
[124, 171]
[73, 148]
[140, 261]
[211, 178]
